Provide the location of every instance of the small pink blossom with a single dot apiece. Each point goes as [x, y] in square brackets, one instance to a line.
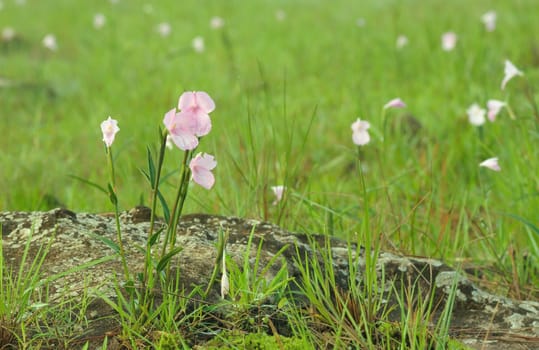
[181, 129]
[476, 115]
[489, 20]
[201, 167]
[278, 191]
[109, 128]
[449, 41]
[491, 163]
[360, 134]
[510, 71]
[199, 104]
[494, 107]
[395, 103]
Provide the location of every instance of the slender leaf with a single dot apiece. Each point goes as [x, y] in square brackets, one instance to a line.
[89, 183]
[166, 259]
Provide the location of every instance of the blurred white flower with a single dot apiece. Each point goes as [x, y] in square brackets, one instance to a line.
[360, 22]
[360, 133]
[49, 41]
[491, 163]
[278, 191]
[449, 41]
[99, 20]
[402, 41]
[489, 20]
[225, 283]
[217, 22]
[476, 115]
[20, 2]
[198, 44]
[164, 29]
[510, 72]
[280, 15]
[8, 34]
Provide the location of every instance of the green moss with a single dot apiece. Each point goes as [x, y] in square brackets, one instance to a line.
[257, 341]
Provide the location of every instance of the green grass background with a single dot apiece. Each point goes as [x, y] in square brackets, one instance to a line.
[286, 93]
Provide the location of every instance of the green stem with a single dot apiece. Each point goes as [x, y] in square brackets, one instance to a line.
[178, 205]
[114, 200]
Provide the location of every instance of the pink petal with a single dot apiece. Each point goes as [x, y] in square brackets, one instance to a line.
[187, 101]
[203, 124]
[169, 119]
[109, 128]
[201, 167]
[185, 141]
[395, 103]
[491, 163]
[204, 101]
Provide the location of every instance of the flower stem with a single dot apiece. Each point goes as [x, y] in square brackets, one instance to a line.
[114, 199]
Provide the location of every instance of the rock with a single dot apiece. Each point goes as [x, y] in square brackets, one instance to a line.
[479, 319]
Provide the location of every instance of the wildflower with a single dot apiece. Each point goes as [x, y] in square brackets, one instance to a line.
[109, 128]
[181, 129]
[8, 34]
[476, 115]
[199, 104]
[494, 107]
[449, 41]
[360, 22]
[280, 15]
[49, 41]
[225, 284]
[99, 21]
[201, 167]
[489, 20]
[278, 191]
[395, 103]
[217, 22]
[360, 135]
[510, 71]
[491, 163]
[198, 44]
[402, 41]
[169, 143]
[164, 29]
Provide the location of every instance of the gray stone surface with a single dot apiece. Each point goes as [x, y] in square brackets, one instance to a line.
[480, 319]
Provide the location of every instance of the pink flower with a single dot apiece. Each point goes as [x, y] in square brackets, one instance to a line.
[449, 41]
[201, 167]
[181, 129]
[491, 163]
[489, 20]
[476, 115]
[199, 104]
[494, 107]
[510, 71]
[278, 191]
[395, 103]
[360, 135]
[109, 128]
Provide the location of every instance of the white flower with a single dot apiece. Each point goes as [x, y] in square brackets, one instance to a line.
[449, 41]
[164, 29]
[489, 20]
[8, 34]
[491, 163]
[99, 20]
[49, 41]
[360, 134]
[402, 41]
[217, 22]
[278, 191]
[510, 71]
[198, 44]
[476, 115]
[360, 22]
[225, 283]
[280, 15]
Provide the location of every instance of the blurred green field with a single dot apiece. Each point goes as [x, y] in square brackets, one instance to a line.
[286, 92]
